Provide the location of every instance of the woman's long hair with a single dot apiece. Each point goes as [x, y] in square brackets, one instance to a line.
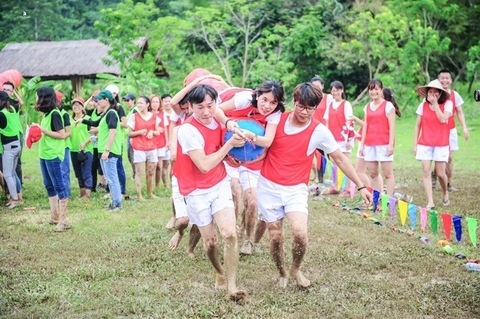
[276, 88]
[47, 100]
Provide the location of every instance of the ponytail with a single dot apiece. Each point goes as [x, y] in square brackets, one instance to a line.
[388, 95]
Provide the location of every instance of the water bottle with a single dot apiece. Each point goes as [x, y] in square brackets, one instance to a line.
[93, 138]
[472, 266]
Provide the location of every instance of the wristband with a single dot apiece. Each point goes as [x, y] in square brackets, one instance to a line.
[226, 122]
[360, 188]
[107, 151]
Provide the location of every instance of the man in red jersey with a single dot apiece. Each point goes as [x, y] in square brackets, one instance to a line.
[282, 187]
[203, 181]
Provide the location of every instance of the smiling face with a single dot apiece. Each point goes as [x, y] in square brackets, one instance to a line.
[266, 103]
[77, 108]
[155, 103]
[205, 110]
[375, 92]
[336, 93]
[167, 103]
[445, 79]
[142, 105]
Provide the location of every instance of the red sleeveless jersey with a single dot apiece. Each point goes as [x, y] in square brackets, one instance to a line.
[161, 140]
[189, 176]
[378, 130]
[287, 162]
[321, 109]
[432, 132]
[141, 142]
[337, 120]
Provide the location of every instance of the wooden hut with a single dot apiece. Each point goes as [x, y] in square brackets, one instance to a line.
[63, 60]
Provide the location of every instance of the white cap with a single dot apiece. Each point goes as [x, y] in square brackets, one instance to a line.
[113, 88]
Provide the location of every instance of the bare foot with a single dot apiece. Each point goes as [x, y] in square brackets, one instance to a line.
[175, 241]
[220, 283]
[152, 196]
[141, 199]
[171, 223]
[282, 282]
[301, 280]
[238, 296]
[190, 254]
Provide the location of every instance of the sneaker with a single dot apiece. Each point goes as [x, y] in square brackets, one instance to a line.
[101, 186]
[61, 227]
[113, 209]
[247, 248]
[434, 180]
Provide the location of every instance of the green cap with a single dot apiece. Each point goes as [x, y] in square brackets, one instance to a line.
[104, 94]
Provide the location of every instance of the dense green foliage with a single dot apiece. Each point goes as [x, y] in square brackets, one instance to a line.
[404, 43]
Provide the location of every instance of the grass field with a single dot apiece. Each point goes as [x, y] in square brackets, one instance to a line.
[119, 265]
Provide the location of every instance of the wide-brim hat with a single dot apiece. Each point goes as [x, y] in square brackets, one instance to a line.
[435, 84]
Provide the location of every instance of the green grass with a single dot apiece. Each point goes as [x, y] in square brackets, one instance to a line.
[119, 265]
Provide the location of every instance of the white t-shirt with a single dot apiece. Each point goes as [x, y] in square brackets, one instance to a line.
[243, 100]
[448, 107]
[131, 120]
[321, 138]
[388, 107]
[348, 111]
[458, 99]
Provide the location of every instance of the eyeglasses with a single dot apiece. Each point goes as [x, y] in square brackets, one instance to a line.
[309, 109]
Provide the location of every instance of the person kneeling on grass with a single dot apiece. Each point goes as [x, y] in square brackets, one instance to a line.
[282, 189]
[204, 183]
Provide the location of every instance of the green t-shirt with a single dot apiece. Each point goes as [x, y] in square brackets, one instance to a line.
[79, 135]
[110, 118]
[50, 148]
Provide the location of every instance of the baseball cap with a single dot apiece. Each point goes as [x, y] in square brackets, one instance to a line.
[129, 96]
[4, 96]
[104, 94]
[34, 135]
[113, 88]
[79, 100]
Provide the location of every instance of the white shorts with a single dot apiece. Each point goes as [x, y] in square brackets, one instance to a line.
[232, 172]
[248, 178]
[160, 152]
[178, 200]
[145, 156]
[166, 157]
[275, 201]
[432, 153]
[453, 140]
[376, 154]
[202, 207]
[342, 145]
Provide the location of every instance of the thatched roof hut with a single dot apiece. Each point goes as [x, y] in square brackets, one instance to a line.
[63, 60]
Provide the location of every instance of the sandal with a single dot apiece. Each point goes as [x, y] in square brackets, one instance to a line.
[429, 208]
[446, 202]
